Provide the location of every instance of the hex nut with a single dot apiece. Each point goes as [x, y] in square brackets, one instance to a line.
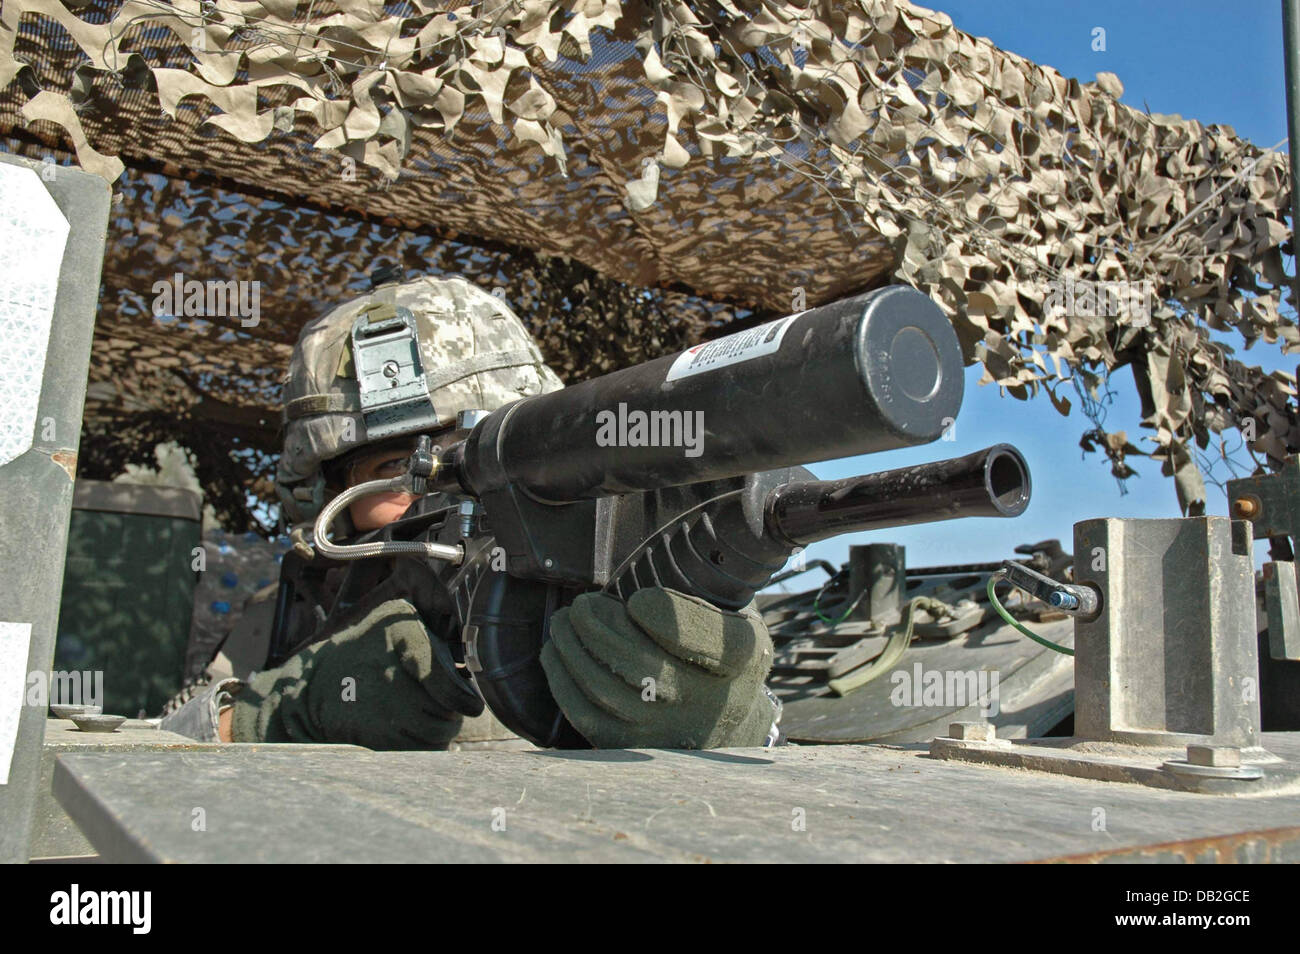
[972, 731]
[1218, 756]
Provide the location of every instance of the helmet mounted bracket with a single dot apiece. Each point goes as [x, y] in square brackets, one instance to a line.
[390, 376]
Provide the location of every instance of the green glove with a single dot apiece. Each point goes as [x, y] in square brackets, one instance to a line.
[666, 670]
[380, 681]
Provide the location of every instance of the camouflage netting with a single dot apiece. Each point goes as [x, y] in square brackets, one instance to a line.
[214, 385]
[762, 154]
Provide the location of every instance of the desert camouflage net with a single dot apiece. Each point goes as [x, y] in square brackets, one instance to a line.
[761, 153]
[215, 386]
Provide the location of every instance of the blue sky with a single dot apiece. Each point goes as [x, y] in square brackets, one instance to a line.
[1215, 62]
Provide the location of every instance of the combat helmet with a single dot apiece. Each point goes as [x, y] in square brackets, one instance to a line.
[401, 360]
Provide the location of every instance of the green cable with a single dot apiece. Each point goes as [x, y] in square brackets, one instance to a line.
[901, 638]
[894, 649]
[993, 598]
[843, 616]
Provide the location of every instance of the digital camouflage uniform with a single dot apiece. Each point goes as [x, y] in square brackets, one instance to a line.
[709, 665]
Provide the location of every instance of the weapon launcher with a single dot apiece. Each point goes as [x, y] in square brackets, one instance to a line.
[683, 472]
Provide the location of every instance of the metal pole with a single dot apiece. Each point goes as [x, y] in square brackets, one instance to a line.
[1291, 53]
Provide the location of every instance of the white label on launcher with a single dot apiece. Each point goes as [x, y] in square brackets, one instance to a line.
[733, 349]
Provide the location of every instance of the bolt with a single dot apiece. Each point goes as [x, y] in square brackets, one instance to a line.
[390, 369]
[1246, 508]
[468, 511]
[972, 731]
[1219, 756]
[1063, 599]
[548, 563]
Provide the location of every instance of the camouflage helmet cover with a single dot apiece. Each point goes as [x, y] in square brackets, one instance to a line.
[475, 352]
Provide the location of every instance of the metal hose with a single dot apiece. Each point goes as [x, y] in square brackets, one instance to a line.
[379, 548]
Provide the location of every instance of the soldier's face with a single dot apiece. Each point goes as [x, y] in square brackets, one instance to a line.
[377, 510]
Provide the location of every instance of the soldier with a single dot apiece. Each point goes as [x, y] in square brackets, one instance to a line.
[377, 674]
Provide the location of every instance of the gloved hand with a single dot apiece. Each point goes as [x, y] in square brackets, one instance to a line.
[381, 681]
[707, 668]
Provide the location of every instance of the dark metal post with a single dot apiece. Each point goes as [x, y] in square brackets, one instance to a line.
[1291, 55]
[878, 568]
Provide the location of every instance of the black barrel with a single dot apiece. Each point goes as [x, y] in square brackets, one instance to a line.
[993, 482]
[871, 373]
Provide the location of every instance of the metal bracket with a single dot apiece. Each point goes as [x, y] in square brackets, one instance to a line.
[1075, 600]
[386, 354]
[1270, 502]
[1282, 603]
[1207, 770]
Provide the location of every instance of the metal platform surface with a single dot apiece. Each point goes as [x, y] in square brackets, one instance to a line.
[1030, 689]
[1034, 691]
[53, 834]
[844, 803]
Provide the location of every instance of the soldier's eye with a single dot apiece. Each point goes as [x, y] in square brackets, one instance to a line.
[393, 467]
